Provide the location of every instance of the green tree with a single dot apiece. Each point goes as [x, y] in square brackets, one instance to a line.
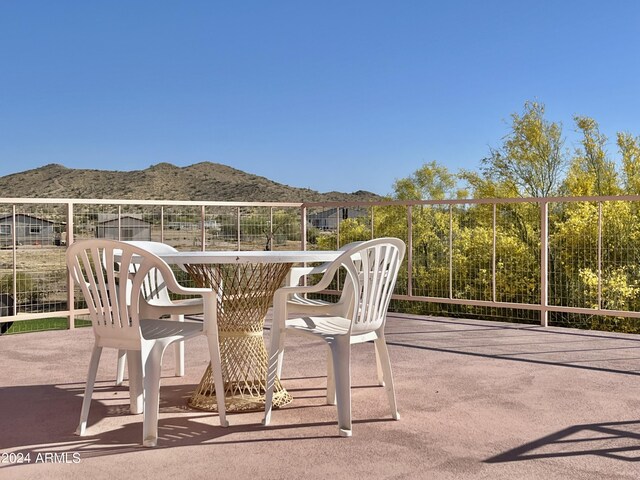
[629, 147]
[483, 186]
[591, 171]
[531, 160]
[430, 182]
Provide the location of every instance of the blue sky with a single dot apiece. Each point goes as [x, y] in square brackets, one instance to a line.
[332, 95]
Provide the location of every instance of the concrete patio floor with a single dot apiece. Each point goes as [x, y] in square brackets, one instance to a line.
[478, 400]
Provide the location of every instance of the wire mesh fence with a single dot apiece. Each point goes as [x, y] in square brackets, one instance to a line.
[482, 258]
[32, 264]
[34, 236]
[468, 258]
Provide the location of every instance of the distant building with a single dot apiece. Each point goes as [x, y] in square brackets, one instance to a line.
[130, 228]
[328, 219]
[29, 230]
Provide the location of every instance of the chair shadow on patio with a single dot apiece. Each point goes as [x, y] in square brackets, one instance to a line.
[42, 418]
[615, 440]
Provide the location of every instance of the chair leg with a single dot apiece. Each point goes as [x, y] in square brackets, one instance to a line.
[122, 357]
[179, 349]
[88, 390]
[151, 368]
[379, 369]
[274, 369]
[216, 370]
[280, 358]
[211, 332]
[280, 361]
[381, 348]
[341, 351]
[136, 394]
[331, 381]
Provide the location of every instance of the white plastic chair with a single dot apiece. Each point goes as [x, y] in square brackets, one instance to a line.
[157, 303]
[114, 298]
[372, 268]
[302, 305]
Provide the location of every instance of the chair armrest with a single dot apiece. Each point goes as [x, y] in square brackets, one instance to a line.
[301, 289]
[209, 299]
[209, 306]
[189, 290]
[296, 273]
[284, 292]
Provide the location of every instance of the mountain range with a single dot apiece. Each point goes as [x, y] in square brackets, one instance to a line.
[204, 181]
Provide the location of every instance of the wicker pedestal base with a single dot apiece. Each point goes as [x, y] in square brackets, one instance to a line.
[245, 294]
[239, 396]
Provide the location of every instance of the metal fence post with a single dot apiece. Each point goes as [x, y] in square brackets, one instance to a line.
[119, 222]
[338, 227]
[409, 250]
[493, 258]
[71, 301]
[544, 263]
[203, 234]
[372, 219]
[14, 240]
[162, 224]
[238, 228]
[303, 227]
[599, 255]
[271, 240]
[450, 251]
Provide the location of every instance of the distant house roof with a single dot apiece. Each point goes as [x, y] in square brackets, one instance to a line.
[23, 216]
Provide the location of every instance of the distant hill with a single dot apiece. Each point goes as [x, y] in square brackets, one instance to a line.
[202, 181]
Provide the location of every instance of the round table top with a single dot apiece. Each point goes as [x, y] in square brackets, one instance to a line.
[237, 257]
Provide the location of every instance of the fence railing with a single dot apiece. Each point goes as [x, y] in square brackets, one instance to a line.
[569, 261]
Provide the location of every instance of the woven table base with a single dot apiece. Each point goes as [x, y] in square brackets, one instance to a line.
[239, 396]
[246, 292]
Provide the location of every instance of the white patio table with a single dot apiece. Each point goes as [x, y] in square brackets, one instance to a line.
[246, 282]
